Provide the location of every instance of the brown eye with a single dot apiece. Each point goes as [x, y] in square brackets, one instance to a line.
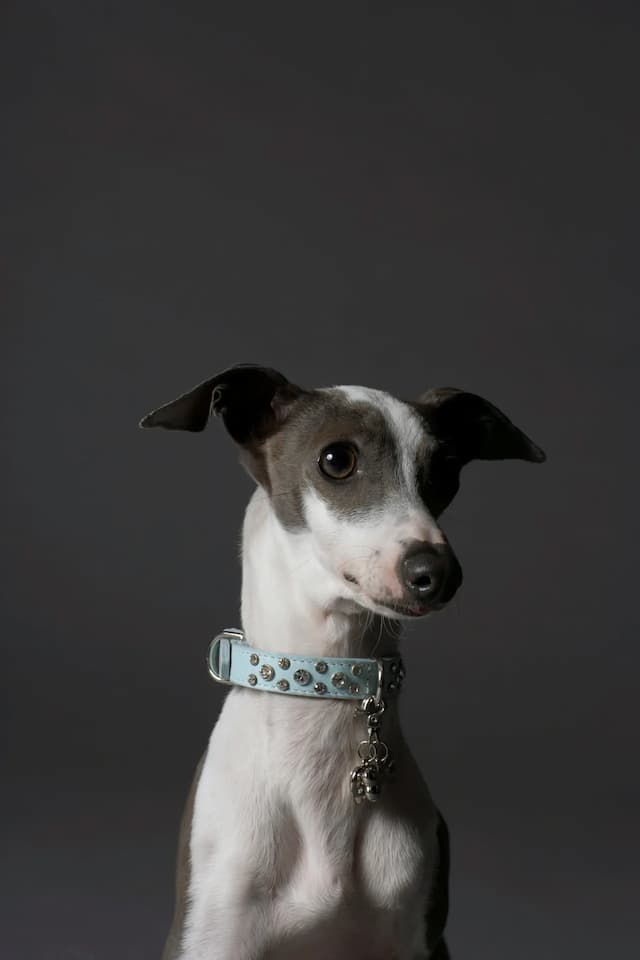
[338, 461]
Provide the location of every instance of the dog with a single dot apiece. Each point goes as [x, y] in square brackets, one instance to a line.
[309, 833]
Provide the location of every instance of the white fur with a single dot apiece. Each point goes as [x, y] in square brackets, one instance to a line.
[284, 865]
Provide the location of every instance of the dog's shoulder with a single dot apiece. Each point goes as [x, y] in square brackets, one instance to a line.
[438, 902]
[173, 946]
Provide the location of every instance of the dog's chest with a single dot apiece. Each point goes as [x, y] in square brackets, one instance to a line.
[277, 840]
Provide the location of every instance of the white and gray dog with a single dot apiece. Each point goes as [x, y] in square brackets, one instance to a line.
[279, 859]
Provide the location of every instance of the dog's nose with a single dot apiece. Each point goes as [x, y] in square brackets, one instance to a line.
[430, 573]
[422, 572]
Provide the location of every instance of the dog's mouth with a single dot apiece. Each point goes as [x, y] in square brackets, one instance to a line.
[394, 608]
[408, 609]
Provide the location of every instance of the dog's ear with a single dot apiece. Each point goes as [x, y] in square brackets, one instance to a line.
[474, 429]
[251, 400]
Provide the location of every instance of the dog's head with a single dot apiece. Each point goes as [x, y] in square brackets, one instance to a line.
[365, 474]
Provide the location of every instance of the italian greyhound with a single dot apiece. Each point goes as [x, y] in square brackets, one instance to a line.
[309, 833]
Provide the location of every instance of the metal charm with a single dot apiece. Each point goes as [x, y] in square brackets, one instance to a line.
[375, 762]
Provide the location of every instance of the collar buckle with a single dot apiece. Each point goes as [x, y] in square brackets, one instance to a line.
[219, 655]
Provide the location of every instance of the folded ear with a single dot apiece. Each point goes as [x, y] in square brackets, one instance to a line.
[474, 428]
[251, 400]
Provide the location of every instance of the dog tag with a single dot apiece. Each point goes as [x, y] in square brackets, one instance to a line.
[367, 777]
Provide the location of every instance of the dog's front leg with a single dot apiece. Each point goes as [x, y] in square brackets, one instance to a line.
[227, 926]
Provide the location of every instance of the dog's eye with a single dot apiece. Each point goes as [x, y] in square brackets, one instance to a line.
[338, 461]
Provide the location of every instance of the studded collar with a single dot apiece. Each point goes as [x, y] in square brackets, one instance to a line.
[231, 660]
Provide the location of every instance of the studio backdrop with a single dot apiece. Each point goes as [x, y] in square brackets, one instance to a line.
[395, 195]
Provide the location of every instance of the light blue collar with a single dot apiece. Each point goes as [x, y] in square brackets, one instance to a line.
[231, 660]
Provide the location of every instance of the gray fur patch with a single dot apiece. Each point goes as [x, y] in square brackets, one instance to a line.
[316, 420]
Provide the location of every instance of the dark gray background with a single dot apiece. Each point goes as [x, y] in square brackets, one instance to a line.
[399, 196]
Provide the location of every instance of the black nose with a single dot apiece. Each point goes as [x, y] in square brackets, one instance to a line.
[430, 572]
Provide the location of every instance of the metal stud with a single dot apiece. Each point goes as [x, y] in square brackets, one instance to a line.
[339, 680]
[356, 669]
[254, 659]
[354, 688]
[267, 672]
[392, 688]
[252, 679]
[282, 684]
[320, 687]
[303, 677]
[394, 668]
[321, 666]
[284, 663]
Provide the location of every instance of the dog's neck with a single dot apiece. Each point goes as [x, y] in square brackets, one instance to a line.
[292, 604]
